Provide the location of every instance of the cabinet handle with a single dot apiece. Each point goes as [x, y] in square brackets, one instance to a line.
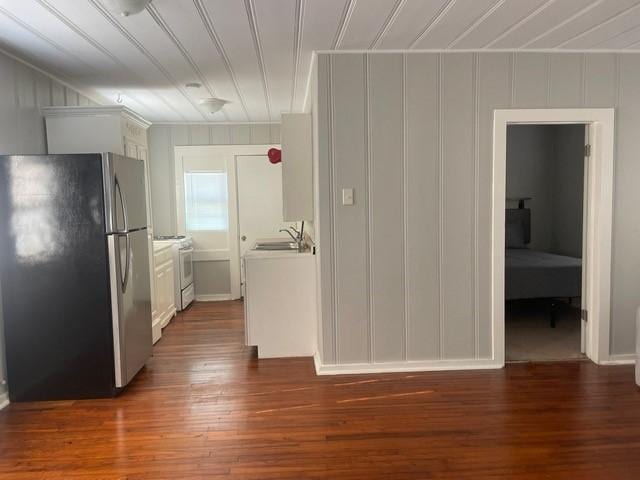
[243, 238]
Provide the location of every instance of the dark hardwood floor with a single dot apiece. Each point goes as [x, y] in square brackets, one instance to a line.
[206, 408]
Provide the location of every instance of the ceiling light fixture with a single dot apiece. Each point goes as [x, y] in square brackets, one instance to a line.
[213, 105]
[128, 7]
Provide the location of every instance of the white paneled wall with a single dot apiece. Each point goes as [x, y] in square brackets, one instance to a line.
[405, 272]
[211, 277]
[22, 91]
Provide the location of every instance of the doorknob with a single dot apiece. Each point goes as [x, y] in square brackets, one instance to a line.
[243, 238]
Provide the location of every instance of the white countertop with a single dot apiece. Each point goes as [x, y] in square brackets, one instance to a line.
[260, 254]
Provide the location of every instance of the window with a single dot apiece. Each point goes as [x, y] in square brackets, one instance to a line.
[206, 201]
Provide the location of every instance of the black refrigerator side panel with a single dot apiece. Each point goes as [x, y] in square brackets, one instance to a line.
[55, 287]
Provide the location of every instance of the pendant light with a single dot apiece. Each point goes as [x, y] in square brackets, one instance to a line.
[128, 7]
[212, 104]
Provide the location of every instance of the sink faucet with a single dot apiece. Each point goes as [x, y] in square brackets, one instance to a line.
[298, 237]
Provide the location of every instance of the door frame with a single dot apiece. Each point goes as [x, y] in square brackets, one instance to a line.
[599, 214]
[229, 154]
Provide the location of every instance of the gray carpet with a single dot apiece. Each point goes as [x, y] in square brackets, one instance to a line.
[529, 337]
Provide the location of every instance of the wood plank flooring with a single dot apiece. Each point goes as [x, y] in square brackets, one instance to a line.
[206, 408]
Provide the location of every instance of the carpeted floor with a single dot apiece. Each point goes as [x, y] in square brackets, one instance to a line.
[530, 338]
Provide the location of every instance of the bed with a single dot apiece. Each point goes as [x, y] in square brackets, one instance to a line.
[534, 274]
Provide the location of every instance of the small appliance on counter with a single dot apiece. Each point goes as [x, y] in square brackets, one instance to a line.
[182, 268]
[74, 268]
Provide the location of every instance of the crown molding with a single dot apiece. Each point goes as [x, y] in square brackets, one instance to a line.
[479, 50]
[120, 110]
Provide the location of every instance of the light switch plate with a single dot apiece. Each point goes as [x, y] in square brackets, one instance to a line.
[347, 196]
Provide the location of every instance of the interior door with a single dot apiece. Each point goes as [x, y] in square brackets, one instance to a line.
[259, 201]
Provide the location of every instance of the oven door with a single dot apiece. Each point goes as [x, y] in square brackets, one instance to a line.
[186, 267]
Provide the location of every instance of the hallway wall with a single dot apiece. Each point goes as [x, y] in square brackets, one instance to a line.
[406, 271]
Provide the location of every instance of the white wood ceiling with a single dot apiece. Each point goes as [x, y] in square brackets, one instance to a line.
[257, 53]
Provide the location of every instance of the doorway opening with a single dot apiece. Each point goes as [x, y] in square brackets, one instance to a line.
[544, 218]
[207, 202]
[594, 279]
[260, 211]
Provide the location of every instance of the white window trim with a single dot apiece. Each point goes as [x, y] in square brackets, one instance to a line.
[599, 219]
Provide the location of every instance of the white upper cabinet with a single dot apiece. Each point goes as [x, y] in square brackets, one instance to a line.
[99, 129]
[297, 167]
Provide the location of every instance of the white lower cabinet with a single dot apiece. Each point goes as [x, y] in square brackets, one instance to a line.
[280, 303]
[165, 305]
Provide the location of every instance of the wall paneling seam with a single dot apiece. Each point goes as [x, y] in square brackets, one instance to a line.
[512, 74]
[367, 195]
[405, 204]
[440, 206]
[619, 94]
[583, 80]
[172, 160]
[332, 216]
[547, 80]
[367, 102]
[297, 42]
[476, 206]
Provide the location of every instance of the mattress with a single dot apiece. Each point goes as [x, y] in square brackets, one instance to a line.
[536, 274]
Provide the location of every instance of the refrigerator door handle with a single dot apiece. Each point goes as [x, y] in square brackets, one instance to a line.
[124, 281]
[118, 190]
[116, 306]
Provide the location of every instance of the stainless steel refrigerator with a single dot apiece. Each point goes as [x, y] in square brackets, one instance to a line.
[74, 274]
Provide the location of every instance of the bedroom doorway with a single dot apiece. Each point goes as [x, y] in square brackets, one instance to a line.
[594, 278]
[544, 217]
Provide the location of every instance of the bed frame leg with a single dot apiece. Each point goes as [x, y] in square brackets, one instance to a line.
[552, 315]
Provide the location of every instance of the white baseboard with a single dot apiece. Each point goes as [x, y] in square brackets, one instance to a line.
[218, 297]
[317, 362]
[164, 321]
[409, 366]
[4, 399]
[156, 330]
[620, 359]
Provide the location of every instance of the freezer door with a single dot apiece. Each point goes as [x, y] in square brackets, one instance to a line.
[131, 303]
[124, 192]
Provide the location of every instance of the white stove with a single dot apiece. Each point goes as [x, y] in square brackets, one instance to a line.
[183, 269]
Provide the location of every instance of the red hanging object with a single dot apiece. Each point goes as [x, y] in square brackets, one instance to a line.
[275, 155]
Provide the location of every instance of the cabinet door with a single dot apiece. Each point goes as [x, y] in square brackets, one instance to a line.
[297, 167]
[169, 285]
[130, 149]
[154, 294]
[142, 155]
[161, 292]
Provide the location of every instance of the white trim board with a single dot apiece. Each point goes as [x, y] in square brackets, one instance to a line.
[620, 359]
[215, 297]
[408, 366]
[476, 50]
[599, 173]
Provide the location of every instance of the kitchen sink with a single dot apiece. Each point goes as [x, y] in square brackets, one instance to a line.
[278, 245]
